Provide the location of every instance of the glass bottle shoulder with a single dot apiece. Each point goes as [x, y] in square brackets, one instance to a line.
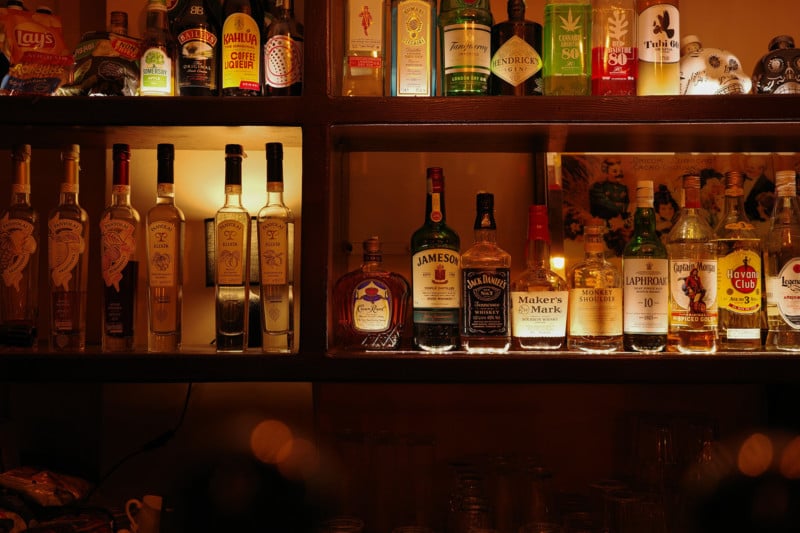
[691, 226]
[435, 236]
[485, 254]
[276, 211]
[594, 272]
[542, 279]
[21, 211]
[165, 211]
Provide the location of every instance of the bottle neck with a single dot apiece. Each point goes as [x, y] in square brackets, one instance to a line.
[644, 220]
[285, 9]
[157, 19]
[69, 185]
[371, 261]
[274, 181]
[121, 189]
[538, 257]
[734, 207]
[275, 193]
[691, 200]
[594, 246]
[233, 181]
[121, 196]
[434, 208]
[21, 183]
[166, 182]
[486, 235]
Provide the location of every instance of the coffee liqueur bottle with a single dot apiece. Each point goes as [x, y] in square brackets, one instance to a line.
[776, 71]
[19, 258]
[119, 231]
[659, 48]
[436, 274]
[197, 31]
[364, 50]
[413, 48]
[241, 48]
[466, 47]
[567, 48]
[516, 54]
[645, 270]
[159, 53]
[614, 48]
[283, 53]
[68, 247]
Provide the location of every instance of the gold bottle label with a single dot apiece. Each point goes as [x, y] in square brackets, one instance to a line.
[17, 243]
[163, 245]
[230, 252]
[273, 242]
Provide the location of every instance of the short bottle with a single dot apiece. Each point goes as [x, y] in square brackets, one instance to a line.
[68, 253]
[770, 73]
[413, 48]
[19, 258]
[241, 48]
[370, 304]
[693, 314]
[465, 29]
[159, 53]
[539, 296]
[119, 232]
[283, 53]
[782, 266]
[645, 271]
[516, 54]
[595, 296]
[614, 48]
[659, 47]
[711, 70]
[197, 30]
[364, 51]
[567, 47]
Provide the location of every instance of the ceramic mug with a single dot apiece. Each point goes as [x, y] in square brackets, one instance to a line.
[144, 514]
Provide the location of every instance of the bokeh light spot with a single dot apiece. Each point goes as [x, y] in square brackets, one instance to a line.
[755, 455]
[267, 440]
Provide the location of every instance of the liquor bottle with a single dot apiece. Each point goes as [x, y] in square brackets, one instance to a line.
[364, 48]
[466, 47]
[711, 70]
[776, 71]
[692, 256]
[232, 262]
[241, 48]
[119, 231]
[159, 53]
[436, 273]
[19, 258]
[659, 48]
[738, 272]
[370, 303]
[566, 45]
[782, 266]
[197, 31]
[118, 22]
[645, 270]
[516, 54]
[165, 225]
[283, 53]
[413, 48]
[614, 48]
[595, 297]
[68, 247]
[539, 296]
[485, 286]
[275, 224]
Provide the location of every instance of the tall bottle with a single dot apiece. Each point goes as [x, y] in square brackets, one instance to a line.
[19, 258]
[232, 272]
[595, 296]
[539, 296]
[165, 229]
[738, 272]
[68, 247]
[197, 30]
[241, 48]
[782, 266]
[692, 255]
[465, 29]
[283, 53]
[364, 53]
[614, 48]
[567, 47]
[413, 48]
[159, 53]
[119, 231]
[659, 48]
[645, 269]
[275, 224]
[436, 273]
[516, 54]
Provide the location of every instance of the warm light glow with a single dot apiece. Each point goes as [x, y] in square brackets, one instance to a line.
[755, 455]
[268, 439]
[790, 460]
[298, 460]
[557, 264]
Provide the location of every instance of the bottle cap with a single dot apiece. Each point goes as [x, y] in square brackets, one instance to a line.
[72, 152]
[121, 151]
[234, 150]
[733, 183]
[690, 43]
[21, 152]
[644, 191]
[166, 151]
[691, 181]
[785, 182]
[372, 245]
[119, 21]
[274, 150]
[781, 41]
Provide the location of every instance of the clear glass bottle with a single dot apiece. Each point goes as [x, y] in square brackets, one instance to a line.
[614, 48]
[782, 266]
[241, 48]
[283, 53]
[738, 272]
[436, 273]
[539, 296]
[275, 223]
[119, 231]
[413, 48]
[777, 71]
[645, 269]
[692, 277]
[232, 261]
[19, 258]
[465, 29]
[485, 286]
[159, 53]
[197, 30]
[595, 296]
[364, 54]
[567, 47]
[659, 48]
[165, 228]
[68, 254]
[516, 54]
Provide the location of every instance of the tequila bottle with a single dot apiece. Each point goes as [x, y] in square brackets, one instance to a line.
[777, 71]
[19, 258]
[68, 246]
[614, 48]
[232, 261]
[159, 53]
[364, 48]
[567, 47]
[119, 231]
[283, 53]
[516, 54]
[466, 47]
[275, 224]
[659, 48]
[413, 48]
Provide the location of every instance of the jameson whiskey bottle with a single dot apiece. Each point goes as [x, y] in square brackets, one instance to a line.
[466, 40]
[413, 48]
[19, 258]
[159, 53]
[165, 224]
[516, 54]
[276, 260]
[364, 58]
[436, 274]
[738, 272]
[68, 246]
[283, 53]
[567, 59]
[645, 271]
[692, 277]
[614, 48]
[197, 30]
[241, 48]
[119, 231]
[659, 48]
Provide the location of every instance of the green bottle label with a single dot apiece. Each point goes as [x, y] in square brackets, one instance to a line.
[566, 40]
